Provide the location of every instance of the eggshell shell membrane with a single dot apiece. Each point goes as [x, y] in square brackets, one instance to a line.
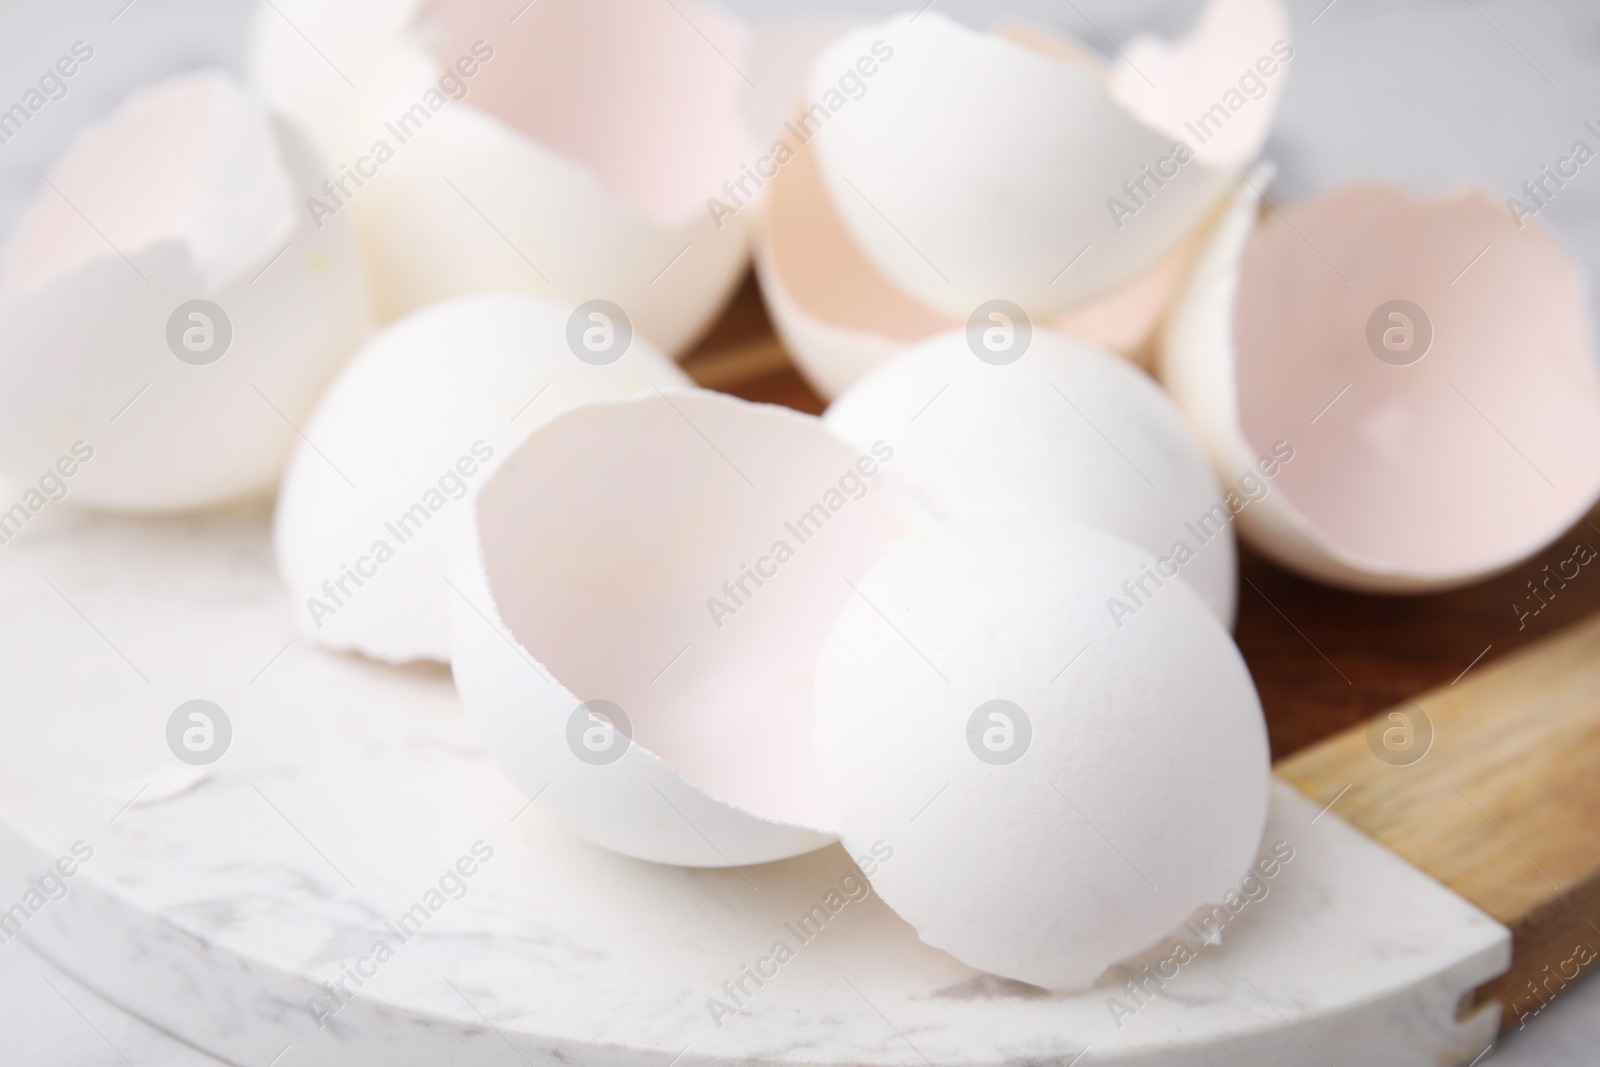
[578, 162]
[840, 317]
[1067, 430]
[1405, 477]
[1029, 145]
[188, 191]
[418, 422]
[1140, 795]
[600, 544]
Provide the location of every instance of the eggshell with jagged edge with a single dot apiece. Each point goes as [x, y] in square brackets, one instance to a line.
[642, 597]
[168, 310]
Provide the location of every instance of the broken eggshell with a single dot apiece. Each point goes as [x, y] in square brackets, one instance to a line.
[1067, 429]
[569, 152]
[408, 432]
[1037, 149]
[840, 315]
[840, 318]
[168, 307]
[643, 594]
[1061, 787]
[1427, 363]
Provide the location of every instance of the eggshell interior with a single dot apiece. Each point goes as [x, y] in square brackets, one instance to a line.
[617, 546]
[1462, 462]
[1067, 430]
[193, 161]
[1139, 795]
[633, 89]
[410, 430]
[1233, 66]
[569, 153]
[188, 191]
[822, 269]
[837, 314]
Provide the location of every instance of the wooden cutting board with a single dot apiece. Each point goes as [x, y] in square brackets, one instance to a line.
[1504, 807]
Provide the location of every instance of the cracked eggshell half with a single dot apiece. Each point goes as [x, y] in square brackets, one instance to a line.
[840, 318]
[168, 305]
[571, 153]
[681, 558]
[1061, 786]
[1420, 372]
[408, 432]
[970, 166]
[1068, 430]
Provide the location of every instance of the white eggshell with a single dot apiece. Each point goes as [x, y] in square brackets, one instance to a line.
[975, 166]
[422, 417]
[840, 318]
[577, 160]
[188, 192]
[1066, 430]
[1136, 787]
[1407, 474]
[601, 550]
[314, 62]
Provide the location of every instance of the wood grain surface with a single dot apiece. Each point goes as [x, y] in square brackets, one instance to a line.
[1504, 807]
[1491, 785]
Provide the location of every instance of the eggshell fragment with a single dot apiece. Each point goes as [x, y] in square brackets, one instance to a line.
[1066, 430]
[1032, 147]
[1429, 450]
[840, 316]
[569, 152]
[410, 430]
[166, 306]
[1060, 788]
[681, 557]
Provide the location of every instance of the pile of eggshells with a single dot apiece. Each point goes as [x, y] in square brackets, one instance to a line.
[430, 268]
